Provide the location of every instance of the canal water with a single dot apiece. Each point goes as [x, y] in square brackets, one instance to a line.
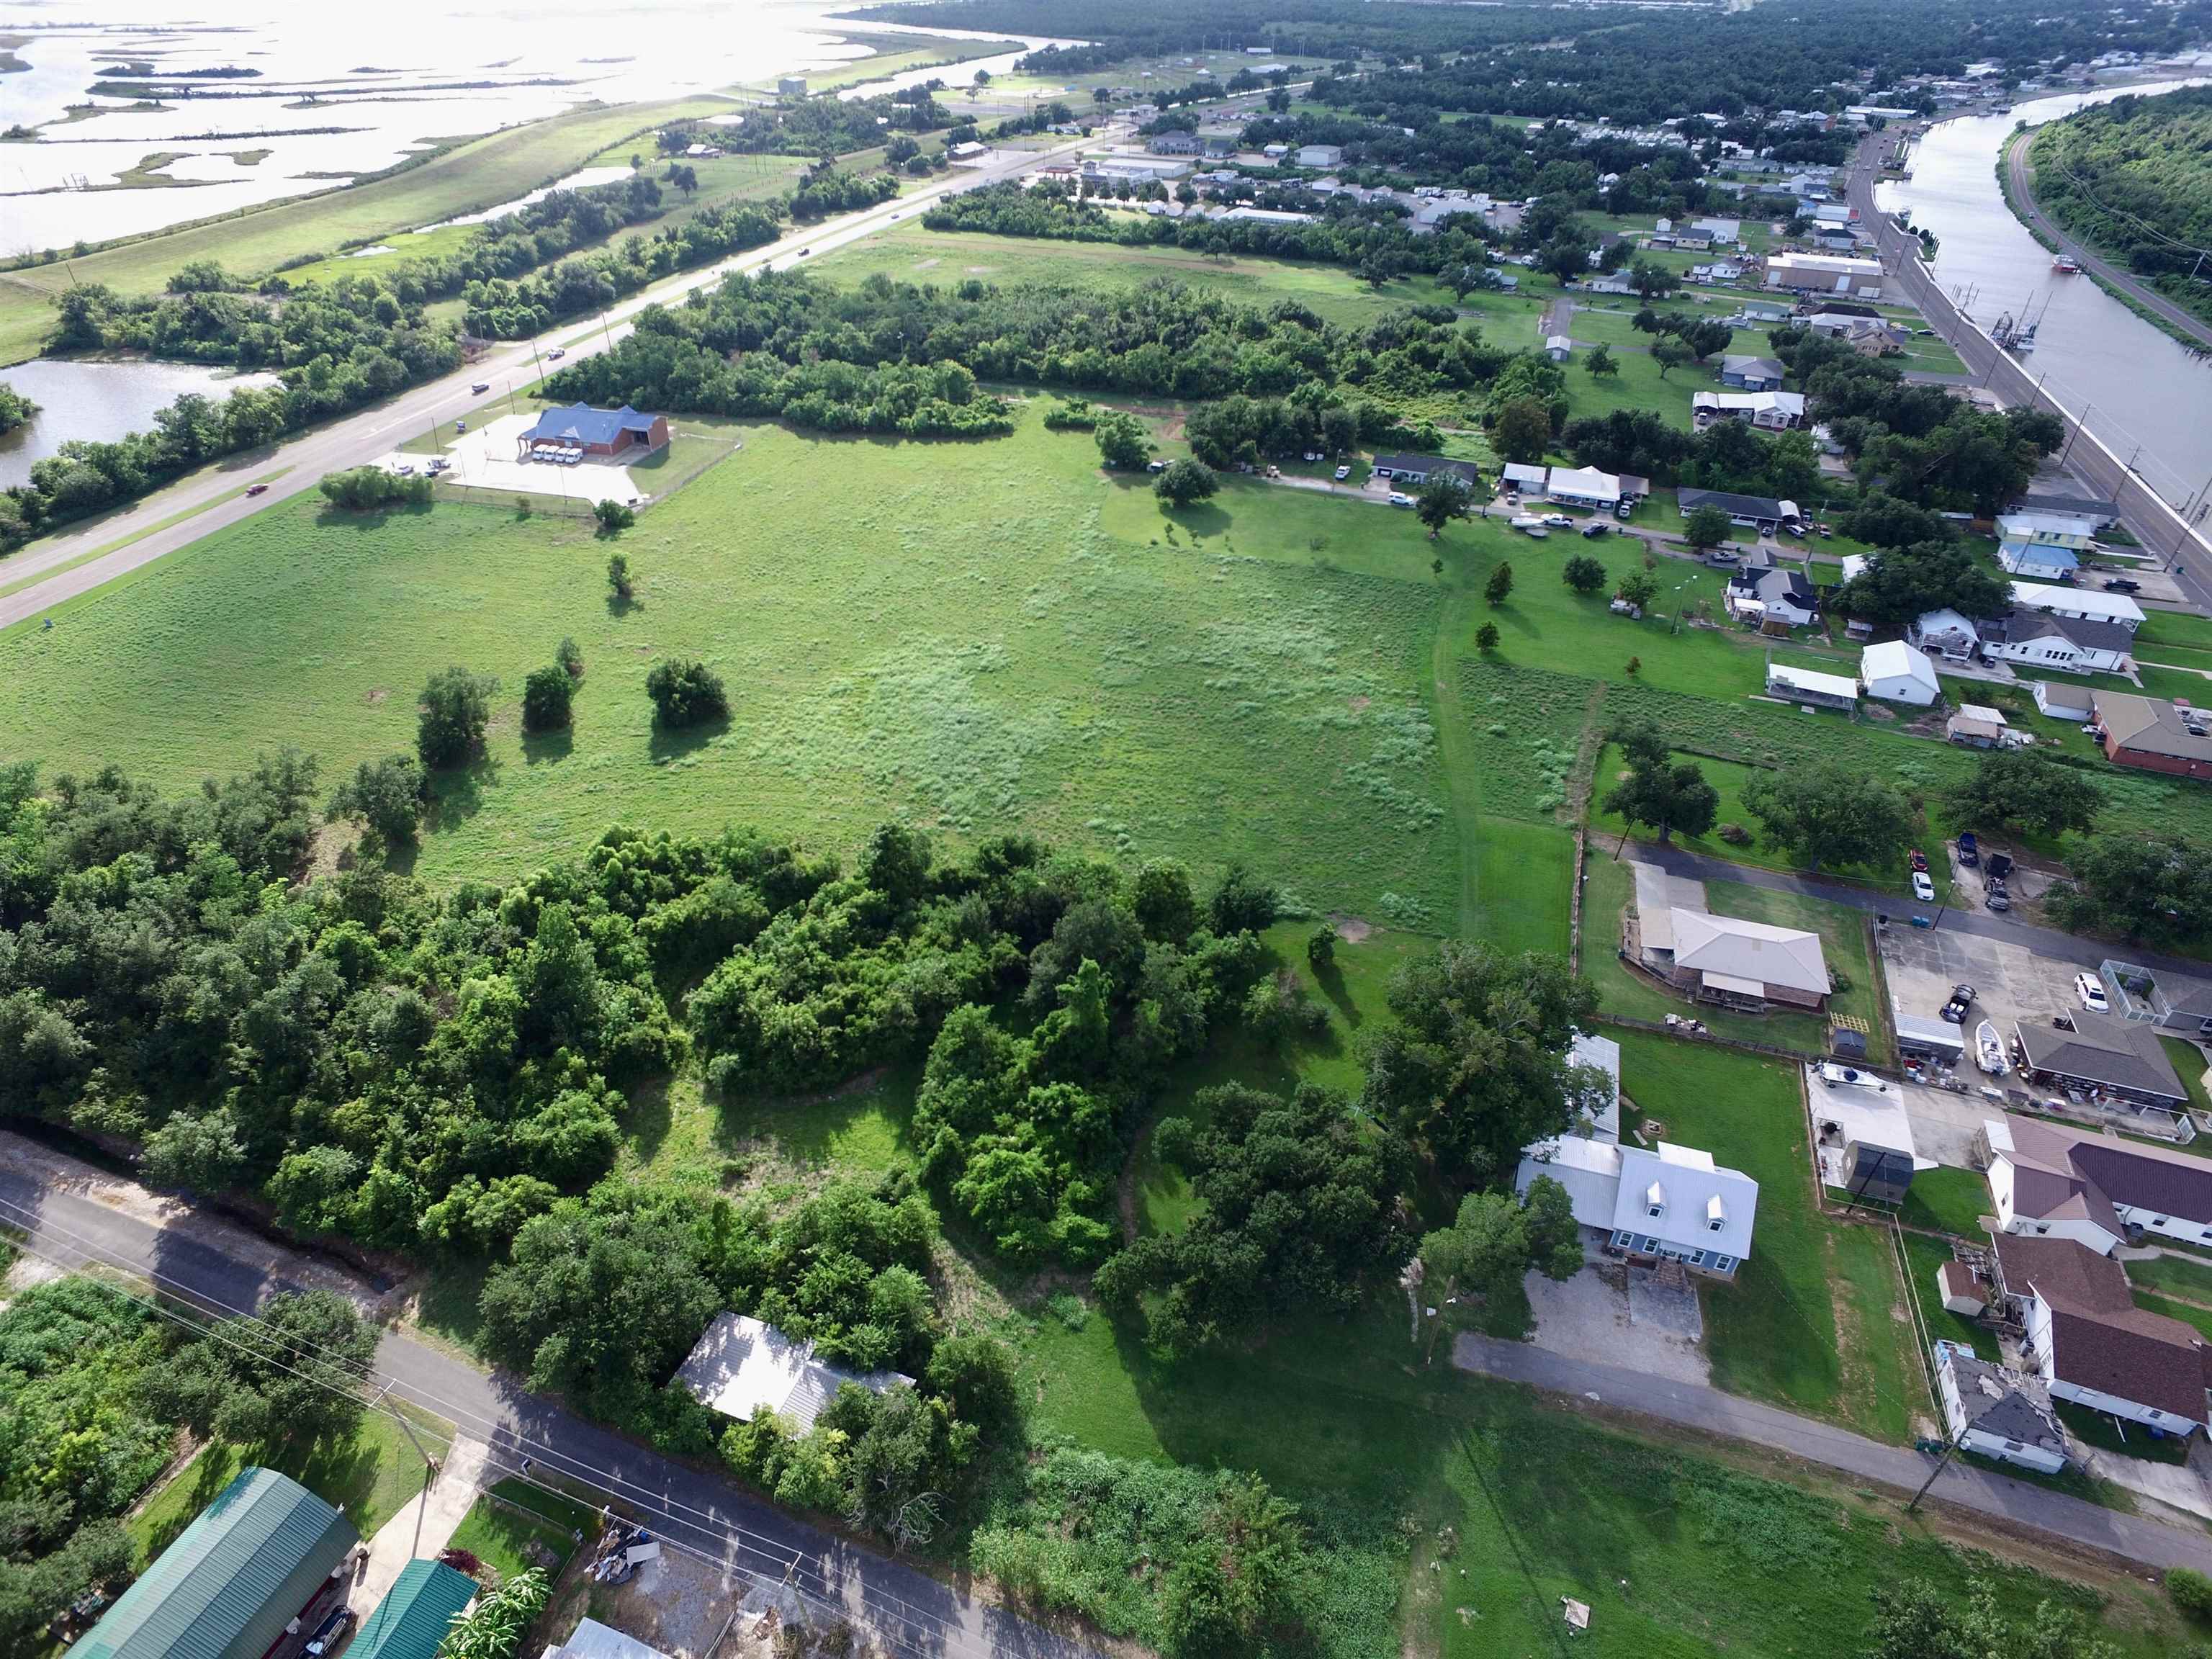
[2139, 390]
[103, 399]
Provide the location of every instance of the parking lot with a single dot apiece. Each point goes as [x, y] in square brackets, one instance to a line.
[484, 457]
[2012, 984]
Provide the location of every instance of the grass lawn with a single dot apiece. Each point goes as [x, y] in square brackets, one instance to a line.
[980, 637]
[371, 1474]
[2187, 1312]
[1810, 1322]
[1846, 940]
[504, 1522]
[2188, 1061]
[2108, 1435]
[1948, 1201]
[2188, 1277]
[2178, 628]
[481, 173]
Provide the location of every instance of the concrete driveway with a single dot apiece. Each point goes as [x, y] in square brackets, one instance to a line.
[2012, 984]
[1615, 1314]
[484, 456]
[1944, 1124]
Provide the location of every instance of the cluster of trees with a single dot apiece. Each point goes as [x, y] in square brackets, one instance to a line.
[815, 126]
[1726, 455]
[2130, 177]
[365, 488]
[15, 410]
[532, 235]
[334, 348]
[889, 356]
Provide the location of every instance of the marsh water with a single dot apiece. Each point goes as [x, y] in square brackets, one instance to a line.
[103, 399]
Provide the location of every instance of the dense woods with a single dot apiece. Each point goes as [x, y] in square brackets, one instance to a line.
[2134, 178]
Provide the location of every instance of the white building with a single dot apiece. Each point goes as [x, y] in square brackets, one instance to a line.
[2054, 529]
[1895, 673]
[1583, 486]
[2040, 562]
[1674, 1205]
[742, 1365]
[1997, 1413]
[1824, 273]
[1946, 633]
[2089, 604]
[1558, 346]
[2058, 1182]
[1769, 411]
[1320, 155]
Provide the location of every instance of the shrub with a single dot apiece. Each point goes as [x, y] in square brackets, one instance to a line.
[1736, 834]
[570, 656]
[1321, 948]
[613, 516]
[546, 696]
[618, 578]
[455, 706]
[686, 692]
[365, 488]
[385, 795]
[2191, 1592]
[1185, 480]
[1486, 637]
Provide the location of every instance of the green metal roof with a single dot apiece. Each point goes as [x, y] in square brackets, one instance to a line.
[412, 1618]
[234, 1578]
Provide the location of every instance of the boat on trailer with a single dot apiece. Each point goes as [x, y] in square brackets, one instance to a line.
[1989, 1050]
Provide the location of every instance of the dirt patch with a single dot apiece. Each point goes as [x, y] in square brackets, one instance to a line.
[1359, 704]
[376, 695]
[928, 264]
[1352, 930]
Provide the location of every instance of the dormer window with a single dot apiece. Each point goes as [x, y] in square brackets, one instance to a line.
[1655, 1200]
[1715, 1214]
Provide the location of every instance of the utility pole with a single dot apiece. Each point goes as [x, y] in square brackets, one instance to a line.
[429, 1463]
[1950, 1450]
[2079, 427]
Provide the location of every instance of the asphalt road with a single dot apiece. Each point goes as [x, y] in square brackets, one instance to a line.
[369, 433]
[2025, 206]
[221, 1270]
[2148, 516]
[1961, 1486]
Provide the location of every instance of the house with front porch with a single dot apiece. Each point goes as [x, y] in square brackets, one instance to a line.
[1673, 1203]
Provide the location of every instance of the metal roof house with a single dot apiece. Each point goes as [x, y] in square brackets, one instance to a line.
[1749, 963]
[1674, 1205]
[411, 1621]
[1999, 1413]
[741, 1364]
[266, 1559]
[1895, 673]
[596, 431]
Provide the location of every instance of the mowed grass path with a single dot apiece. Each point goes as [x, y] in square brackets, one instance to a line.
[980, 637]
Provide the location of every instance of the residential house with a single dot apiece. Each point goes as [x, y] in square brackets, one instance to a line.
[1896, 672]
[1717, 271]
[2089, 509]
[2039, 639]
[1175, 143]
[1584, 486]
[1671, 1204]
[2153, 734]
[1764, 595]
[414, 1616]
[2050, 529]
[2115, 1062]
[1753, 512]
[1998, 1414]
[2081, 604]
[1740, 963]
[1769, 411]
[1320, 155]
[592, 1640]
[1719, 230]
[266, 1559]
[1824, 273]
[742, 1365]
[2042, 562]
[1558, 346]
[1418, 469]
[1757, 312]
[2062, 702]
[1809, 688]
[1945, 633]
[1749, 373]
[1977, 726]
[1869, 336]
[2101, 1191]
[2093, 1346]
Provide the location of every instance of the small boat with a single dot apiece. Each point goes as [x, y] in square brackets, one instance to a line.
[2067, 265]
[1989, 1050]
[1530, 525]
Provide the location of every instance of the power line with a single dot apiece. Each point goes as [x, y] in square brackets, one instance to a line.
[789, 1559]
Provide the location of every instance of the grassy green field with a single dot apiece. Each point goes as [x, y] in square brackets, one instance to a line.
[1810, 1322]
[371, 1475]
[1926, 1255]
[506, 1522]
[479, 173]
[2180, 1276]
[1947, 1201]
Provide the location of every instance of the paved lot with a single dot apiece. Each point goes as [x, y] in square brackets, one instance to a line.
[484, 457]
[1944, 1124]
[2012, 984]
[1601, 1315]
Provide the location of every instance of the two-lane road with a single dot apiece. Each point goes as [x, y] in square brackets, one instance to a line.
[369, 433]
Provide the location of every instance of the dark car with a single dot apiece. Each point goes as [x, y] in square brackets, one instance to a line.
[1970, 852]
[332, 1631]
[1917, 859]
[1998, 868]
[1591, 532]
[2123, 585]
[1962, 997]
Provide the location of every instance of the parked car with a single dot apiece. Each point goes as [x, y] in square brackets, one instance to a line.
[460, 426]
[257, 489]
[1342, 473]
[1723, 556]
[1970, 850]
[406, 469]
[331, 1632]
[1398, 500]
[1997, 899]
[1997, 867]
[481, 387]
[1624, 510]
[556, 354]
[1923, 888]
[1917, 859]
[1155, 466]
[2091, 990]
[1591, 532]
[1962, 999]
[2123, 585]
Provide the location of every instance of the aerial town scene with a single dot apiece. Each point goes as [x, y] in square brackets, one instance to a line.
[1096, 829]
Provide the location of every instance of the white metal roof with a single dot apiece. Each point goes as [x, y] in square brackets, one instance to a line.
[1809, 680]
[592, 1640]
[2078, 602]
[1752, 950]
[742, 1364]
[1689, 1185]
[1585, 482]
[1521, 472]
[1894, 659]
[1589, 1170]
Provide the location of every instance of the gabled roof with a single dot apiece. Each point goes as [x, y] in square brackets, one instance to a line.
[582, 425]
[233, 1579]
[1749, 950]
[2099, 1337]
[1895, 659]
[1428, 464]
[2150, 725]
[2008, 1404]
[2083, 601]
[1745, 507]
[1692, 1191]
[2130, 1172]
[412, 1620]
[1810, 681]
[1584, 482]
[2103, 1049]
[741, 1364]
[1741, 364]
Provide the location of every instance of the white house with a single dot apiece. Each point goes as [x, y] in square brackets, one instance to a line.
[1762, 593]
[742, 1364]
[1946, 633]
[2043, 561]
[1674, 1205]
[1997, 1413]
[1583, 486]
[1720, 230]
[1895, 673]
[2085, 604]
[2058, 529]
[2056, 1182]
[1771, 411]
[2093, 1346]
[2045, 639]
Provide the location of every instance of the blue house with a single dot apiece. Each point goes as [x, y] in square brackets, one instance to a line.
[1748, 373]
[594, 432]
[2039, 561]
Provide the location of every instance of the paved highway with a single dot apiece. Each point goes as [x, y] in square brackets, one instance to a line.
[2145, 512]
[364, 436]
[75, 1215]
